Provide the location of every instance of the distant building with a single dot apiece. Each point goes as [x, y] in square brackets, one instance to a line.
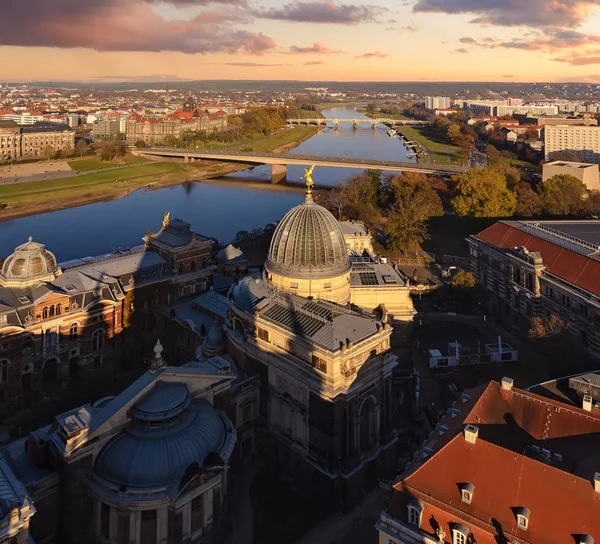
[73, 120]
[437, 102]
[544, 121]
[36, 138]
[106, 128]
[532, 109]
[503, 465]
[537, 268]
[444, 112]
[357, 237]
[589, 174]
[584, 142]
[10, 141]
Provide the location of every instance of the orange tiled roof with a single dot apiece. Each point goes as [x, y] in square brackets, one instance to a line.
[582, 271]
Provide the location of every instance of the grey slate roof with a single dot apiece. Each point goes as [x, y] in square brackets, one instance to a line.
[12, 492]
[42, 126]
[212, 303]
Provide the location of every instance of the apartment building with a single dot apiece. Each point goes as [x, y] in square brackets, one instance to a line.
[437, 102]
[582, 141]
[540, 268]
[106, 128]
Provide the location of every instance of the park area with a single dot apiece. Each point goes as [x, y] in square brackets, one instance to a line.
[438, 147]
[89, 164]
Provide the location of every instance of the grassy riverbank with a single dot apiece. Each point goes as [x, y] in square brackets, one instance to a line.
[22, 199]
[439, 151]
[87, 164]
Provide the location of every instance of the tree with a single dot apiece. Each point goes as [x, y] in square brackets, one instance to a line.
[107, 150]
[483, 192]
[528, 201]
[463, 280]
[546, 327]
[140, 143]
[67, 151]
[412, 201]
[592, 203]
[48, 152]
[81, 147]
[562, 195]
[335, 200]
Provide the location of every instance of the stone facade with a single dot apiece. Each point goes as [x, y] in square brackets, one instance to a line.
[10, 141]
[53, 329]
[36, 138]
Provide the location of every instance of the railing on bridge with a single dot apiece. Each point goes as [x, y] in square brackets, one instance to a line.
[371, 121]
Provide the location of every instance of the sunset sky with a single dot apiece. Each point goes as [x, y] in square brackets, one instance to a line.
[381, 40]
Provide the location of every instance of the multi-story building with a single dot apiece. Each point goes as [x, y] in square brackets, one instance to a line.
[588, 174]
[10, 141]
[38, 137]
[357, 237]
[149, 466]
[503, 466]
[437, 102]
[536, 268]
[526, 109]
[189, 118]
[106, 128]
[582, 141]
[545, 121]
[60, 320]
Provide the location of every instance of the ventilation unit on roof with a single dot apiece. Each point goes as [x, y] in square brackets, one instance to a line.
[507, 384]
[70, 287]
[587, 403]
[471, 432]
[597, 482]
[24, 299]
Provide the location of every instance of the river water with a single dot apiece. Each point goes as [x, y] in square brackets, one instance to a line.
[215, 210]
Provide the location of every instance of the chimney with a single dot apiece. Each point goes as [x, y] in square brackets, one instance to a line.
[597, 482]
[471, 433]
[587, 403]
[507, 384]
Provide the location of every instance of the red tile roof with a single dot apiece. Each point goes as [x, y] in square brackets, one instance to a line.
[561, 501]
[582, 271]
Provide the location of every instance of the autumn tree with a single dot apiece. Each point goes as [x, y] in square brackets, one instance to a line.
[48, 152]
[528, 201]
[411, 202]
[592, 203]
[463, 279]
[562, 195]
[546, 327]
[335, 200]
[81, 147]
[483, 192]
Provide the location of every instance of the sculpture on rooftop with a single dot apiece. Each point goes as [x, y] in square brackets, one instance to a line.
[308, 177]
[166, 217]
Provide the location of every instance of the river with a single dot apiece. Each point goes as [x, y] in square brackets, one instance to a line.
[215, 210]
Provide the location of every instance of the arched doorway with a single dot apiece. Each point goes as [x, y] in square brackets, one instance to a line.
[50, 371]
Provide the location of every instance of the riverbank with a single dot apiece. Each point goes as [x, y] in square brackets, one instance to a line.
[439, 151]
[23, 199]
[33, 198]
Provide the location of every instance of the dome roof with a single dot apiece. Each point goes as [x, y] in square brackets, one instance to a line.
[230, 254]
[29, 264]
[215, 342]
[308, 243]
[150, 455]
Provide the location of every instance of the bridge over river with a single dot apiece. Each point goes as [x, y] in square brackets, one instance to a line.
[280, 162]
[357, 122]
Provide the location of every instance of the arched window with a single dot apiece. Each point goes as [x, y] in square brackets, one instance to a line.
[204, 284]
[193, 288]
[27, 346]
[45, 313]
[197, 516]
[97, 339]
[58, 309]
[193, 265]
[204, 262]
[73, 331]
[4, 364]
[181, 291]
[51, 310]
[181, 268]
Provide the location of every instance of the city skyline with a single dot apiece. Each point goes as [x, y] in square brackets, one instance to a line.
[422, 40]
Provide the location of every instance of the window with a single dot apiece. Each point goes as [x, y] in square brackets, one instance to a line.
[58, 309]
[27, 346]
[105, 520]
[319, 364]
[148, 527]
[583, 310]
[459, 538]
[181, 268]
[50, 338]
[97, 339]
[263, 334]
[522, 521]
[466, 496]
[3, 371]
[193, 265]
[327, 286]
[247, 413]
[193, 288]
[45, 313]
[2, 318]
[293, 285]
[414, 515]
[197, 514]
[51, 310]
[181, 291]
[73, 331]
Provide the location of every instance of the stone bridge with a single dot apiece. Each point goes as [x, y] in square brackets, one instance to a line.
[357, 122]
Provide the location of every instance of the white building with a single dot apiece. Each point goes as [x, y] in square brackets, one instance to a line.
[584, 142]
[528, 109]
[437, 102]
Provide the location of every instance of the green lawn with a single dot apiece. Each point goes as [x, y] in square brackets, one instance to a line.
[439, 151]
[513, 162]
[87, 164]
[267, 144]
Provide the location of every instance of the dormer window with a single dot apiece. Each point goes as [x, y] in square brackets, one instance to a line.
[460, 533]
[415, 510]
[522, 514]
[466, 492]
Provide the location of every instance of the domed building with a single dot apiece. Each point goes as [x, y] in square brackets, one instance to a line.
[327, 369]
[308, 255]
[30, 264]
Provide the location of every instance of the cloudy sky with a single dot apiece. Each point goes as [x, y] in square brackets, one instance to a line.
[380, 40]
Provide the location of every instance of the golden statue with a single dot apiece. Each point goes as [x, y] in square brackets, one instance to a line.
[166, 217]
[308, 177]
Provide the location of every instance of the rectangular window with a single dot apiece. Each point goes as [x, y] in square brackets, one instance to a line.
[105, 520]
[414, 516]
[263, 334]
[319, 364]
[583, 310]
[197, 514]
[293, 285]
